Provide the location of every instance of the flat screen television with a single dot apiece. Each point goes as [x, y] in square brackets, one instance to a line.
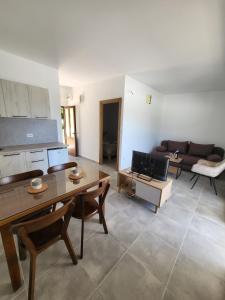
[150, 165]
[159, 167]
[141, 163]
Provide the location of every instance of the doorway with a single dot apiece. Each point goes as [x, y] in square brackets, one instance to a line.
[68, 117]
[110, 115]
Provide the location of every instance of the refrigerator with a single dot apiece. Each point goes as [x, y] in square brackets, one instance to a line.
[57, 156]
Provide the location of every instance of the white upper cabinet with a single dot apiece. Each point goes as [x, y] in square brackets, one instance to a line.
[2, 102]
[39, 102]
[16, 99]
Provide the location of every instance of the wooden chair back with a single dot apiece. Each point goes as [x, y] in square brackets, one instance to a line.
[99, 192]
[61, 167]
[47, 220]
[20, 177]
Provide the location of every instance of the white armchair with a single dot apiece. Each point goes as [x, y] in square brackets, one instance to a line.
[209, 169]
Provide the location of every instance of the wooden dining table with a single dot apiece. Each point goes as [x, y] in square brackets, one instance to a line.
[16, 202]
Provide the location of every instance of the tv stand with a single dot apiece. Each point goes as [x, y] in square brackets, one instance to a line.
[144, 177]
[154, 191]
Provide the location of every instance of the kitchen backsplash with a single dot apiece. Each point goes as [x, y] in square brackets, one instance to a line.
[27, 131]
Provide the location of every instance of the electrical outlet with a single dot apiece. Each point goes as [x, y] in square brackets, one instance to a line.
[30, 135]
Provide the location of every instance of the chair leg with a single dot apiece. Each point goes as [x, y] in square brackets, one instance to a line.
[210, 178]
[32, 277]
[102, 217]
[82, 239]
[195, 182]
[193, 177]
[70, 248]
[214, 185]
[22, 249]
[54, 207]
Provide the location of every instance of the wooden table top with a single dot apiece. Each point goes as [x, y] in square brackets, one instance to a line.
[16, 202]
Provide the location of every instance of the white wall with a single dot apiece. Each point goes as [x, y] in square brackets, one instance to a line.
[198, 117]
[18, 69]
[88, 127]
[141, 121]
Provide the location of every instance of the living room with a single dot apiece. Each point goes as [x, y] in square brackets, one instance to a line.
[150, 222]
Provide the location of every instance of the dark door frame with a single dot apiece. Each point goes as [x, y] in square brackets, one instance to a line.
[101, 112]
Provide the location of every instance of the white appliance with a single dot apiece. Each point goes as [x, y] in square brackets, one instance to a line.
[57, 156]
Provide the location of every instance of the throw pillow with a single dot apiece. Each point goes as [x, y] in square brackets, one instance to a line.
[174, 146]
[161, 149]
[201, 150]
[214, 157]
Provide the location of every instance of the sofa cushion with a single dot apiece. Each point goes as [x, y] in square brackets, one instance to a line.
[201, 150]
[214, 157]
[161, 149]
[174, 146]
[189, 160]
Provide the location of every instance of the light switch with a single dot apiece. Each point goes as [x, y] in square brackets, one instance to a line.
[30, 135]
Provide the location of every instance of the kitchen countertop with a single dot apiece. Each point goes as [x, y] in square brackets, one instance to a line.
[24, 148]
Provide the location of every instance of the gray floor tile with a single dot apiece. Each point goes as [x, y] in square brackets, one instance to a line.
[216, 214]
[140, 211]
[101, 252]
[97, 296]
[64, 282]
[157, 256]
[130, 280]
[124, 229]
[185, 201]
[179, 296]
[177, 213]
[169, 230]
[212, 200]
[119, 201]
[190, 281]
[6, 291]
[210, 229]
[205, 253]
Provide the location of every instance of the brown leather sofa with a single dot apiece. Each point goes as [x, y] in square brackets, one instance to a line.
[190, 152]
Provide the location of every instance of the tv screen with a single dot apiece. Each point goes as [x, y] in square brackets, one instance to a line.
[159, 167]
[141, 163]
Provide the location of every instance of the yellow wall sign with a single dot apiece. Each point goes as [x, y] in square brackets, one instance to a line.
[149, 99]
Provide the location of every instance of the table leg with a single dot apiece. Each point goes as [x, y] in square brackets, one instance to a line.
[11, 257]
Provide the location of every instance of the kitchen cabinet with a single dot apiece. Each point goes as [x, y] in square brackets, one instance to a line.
[39, 102]
[12, 163]
[16, 99]
[37, 159]
[2, 102]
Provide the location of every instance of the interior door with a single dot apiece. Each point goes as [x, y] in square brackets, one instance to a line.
[69, 128]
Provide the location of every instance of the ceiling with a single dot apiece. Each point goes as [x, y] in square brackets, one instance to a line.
[172, 45]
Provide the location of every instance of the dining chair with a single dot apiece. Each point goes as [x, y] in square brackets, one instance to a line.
[20, 177]
[58, 168]
[16, 178]
[39, 234]
[61, 167]
[86, 205]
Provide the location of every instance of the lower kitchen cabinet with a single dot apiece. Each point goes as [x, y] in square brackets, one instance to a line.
[37, 159]
[12, 163]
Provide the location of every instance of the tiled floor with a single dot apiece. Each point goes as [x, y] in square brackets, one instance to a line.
[178, 254]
